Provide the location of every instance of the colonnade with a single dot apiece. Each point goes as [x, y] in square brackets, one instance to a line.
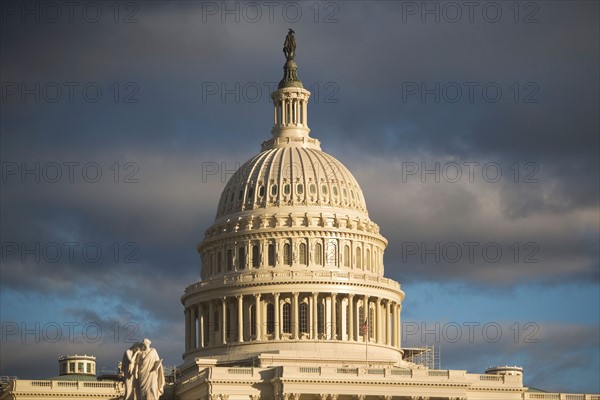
[292, 316]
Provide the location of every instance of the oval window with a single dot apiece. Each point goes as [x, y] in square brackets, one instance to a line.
[335, 191]
[313, 188]
[344, 192]
[324, 189]
[300, 188]
[261, 191]
[250, 192]
[286, 188]
[273, 190]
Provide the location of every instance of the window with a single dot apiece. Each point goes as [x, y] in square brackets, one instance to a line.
[318, 254]
[250, 192]
[219, 257]
[273, 190]
[324, 189]
[228, 322]
[347, 307]
[303, 318]
[206, 327]
[79, 367]
[321, 318]
[371, 319]
[358, 258]
[287, 254]
[88, 368]
[241, 194]
[255, 256]
[332, 255]
[63, 368]
[286, 188]
[312, 188]
[272, 255]
[242, 258]
[270, 318]
[229, 260]
[368, 260]
[261, 191]
[71, 367]
[361, 320]
[346, 256]
[253, 320]
[335, 191]
[344, 192]
[302, 250]
[287, 323]
[300, 188]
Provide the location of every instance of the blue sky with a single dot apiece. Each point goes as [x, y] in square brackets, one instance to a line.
[506, 93]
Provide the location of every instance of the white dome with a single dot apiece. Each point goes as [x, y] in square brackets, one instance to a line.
[291, 176]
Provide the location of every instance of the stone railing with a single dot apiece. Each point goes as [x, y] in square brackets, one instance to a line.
[560, 396]
[48, 386]
[287, 276]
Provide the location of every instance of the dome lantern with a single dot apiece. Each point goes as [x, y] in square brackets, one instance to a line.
[290, 101]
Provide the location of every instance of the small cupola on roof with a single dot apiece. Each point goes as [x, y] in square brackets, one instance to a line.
[290, 102]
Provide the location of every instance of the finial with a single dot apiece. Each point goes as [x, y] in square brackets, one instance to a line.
[290, 76]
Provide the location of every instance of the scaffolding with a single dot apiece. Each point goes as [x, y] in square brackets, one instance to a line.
[427, 357]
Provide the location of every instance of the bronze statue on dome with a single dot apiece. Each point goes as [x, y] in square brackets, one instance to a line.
[289, 46]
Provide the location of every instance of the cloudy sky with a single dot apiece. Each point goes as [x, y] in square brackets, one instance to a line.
[472, 128]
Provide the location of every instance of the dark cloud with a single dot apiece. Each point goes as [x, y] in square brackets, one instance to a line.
[358, 67]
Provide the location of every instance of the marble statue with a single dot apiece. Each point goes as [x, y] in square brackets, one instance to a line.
[142, 372]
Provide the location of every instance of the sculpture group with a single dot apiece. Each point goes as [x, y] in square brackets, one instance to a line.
[142, 372]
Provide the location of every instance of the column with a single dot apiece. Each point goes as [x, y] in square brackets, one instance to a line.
[257, 314]
[224, 320]
[296, 320]
[276, 307]
[333, 316]
[201, 342]
[378, 326]
[315, 325]
[304, 116]
[366, 316]
[187, 329]
[395, 321]
[212, 327]
[194, 342]
[388, 326]
[351, 311]
[240, 318]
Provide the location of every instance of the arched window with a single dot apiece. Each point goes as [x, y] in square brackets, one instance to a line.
[287, 254]
[270, 318]
[332, 255]
[255, 256]
[303, 317]
[287, 322]
[358, 258]
[346, 256]
[318, 254]
[242, 258]
[271, 255]
[229, 260]
[302, 250]
[368, 260]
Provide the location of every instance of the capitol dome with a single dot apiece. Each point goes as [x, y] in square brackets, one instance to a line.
[292, 267]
